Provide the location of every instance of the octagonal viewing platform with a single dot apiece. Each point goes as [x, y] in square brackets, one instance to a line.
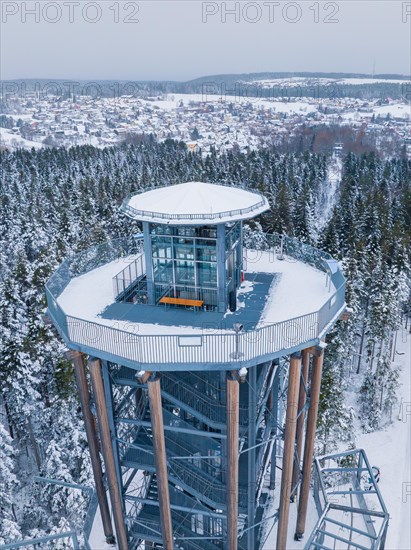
[236, 304]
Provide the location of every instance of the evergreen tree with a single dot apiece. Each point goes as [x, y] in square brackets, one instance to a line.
[9, 528]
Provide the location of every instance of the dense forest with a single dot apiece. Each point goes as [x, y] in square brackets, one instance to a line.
[57, 201]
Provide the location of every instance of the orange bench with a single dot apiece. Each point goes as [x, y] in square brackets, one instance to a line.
[181, 302]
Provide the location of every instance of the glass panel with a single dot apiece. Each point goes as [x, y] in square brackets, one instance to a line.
[207, 232]
[163, 271]
[206, 250]
[184, 231]
[161, 247]
[184, 249]
[160, 229]
[184, 272]
[229, 265]
[207, 274]
[232, 236]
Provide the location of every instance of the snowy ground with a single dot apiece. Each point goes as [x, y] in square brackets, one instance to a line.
[390, 450]
[13, 141]
[172, 101]
[270, 538]
[396, 110]
[329, 192]
[97, 539]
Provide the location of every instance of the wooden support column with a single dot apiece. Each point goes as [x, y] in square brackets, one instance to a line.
[108, 391]
[233, 418]
[157, 426]
[302, 399]
[92, 440]
[309, 440]
[289, 444]
[107, 450]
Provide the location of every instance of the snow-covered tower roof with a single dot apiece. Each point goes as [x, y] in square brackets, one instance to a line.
[195, 203]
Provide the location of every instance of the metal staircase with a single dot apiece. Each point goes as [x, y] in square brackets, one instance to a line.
[186, 514]
[351, 509]
[186, 473]
[193, 410]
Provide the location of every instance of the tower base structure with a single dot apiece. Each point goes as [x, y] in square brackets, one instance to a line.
[187, 455]
[195, 340]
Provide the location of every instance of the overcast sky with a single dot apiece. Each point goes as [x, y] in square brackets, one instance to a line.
[181, 40]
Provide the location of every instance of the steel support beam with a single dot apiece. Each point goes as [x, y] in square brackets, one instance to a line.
[289, 444]
[107, 450]
[309, 442]
[174, 429]
[192, 510]
[274, 417]
[302, 399]
[233, 417]
[221, 269]
[149, 266]
[43, 541]
[251, 455]
[93, 444]
[159, 446]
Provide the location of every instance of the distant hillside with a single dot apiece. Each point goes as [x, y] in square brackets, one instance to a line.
[267, 84]
[281, 75]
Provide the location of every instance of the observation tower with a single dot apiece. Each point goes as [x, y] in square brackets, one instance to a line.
[204, 349]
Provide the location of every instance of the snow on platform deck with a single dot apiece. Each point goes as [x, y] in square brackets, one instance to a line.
[273, 291]
[251, 302]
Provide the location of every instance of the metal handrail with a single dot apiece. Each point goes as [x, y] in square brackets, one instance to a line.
[128, 275]
[325, 505]
[134, 212]
[43, 540]
[185, 393]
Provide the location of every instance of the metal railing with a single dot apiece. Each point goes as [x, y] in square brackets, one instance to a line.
[45, 542]
[128, 276]
[351, 509]
[206, 346]
[188, 395]
[76, 532]
[136, 213]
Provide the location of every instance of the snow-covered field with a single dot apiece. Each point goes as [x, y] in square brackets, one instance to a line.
[356, 81]
[173, 101]
[395, 110]
[13, 141]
